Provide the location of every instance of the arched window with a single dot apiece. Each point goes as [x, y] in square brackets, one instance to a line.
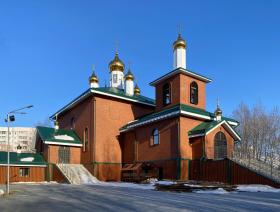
[166, 94]
[155, 137]
[85, 142]
[73, 123]
[220, 146]
[194, 93]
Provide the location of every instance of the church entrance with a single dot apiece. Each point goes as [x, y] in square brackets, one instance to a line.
[64, 154]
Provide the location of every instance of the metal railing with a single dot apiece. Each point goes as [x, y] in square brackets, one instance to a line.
[68, 172]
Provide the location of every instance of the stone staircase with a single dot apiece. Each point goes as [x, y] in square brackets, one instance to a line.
[77, 174]
[260, 167]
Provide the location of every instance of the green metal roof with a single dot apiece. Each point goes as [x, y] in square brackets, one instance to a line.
[183, 71]
[21, 159]
[114, 92]
[173, 111]
[59, 137]
[203, 128]
[121, 93]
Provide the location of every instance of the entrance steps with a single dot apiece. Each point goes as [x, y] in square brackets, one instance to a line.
[77, 174]
[259, 167]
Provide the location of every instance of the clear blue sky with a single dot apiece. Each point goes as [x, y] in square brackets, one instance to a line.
[47, 49]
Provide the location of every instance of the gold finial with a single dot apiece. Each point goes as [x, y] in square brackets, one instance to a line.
[129, 75]
[93, 78]
[137, 90]
[116, 64]
[180, 42]
[117, 48]
[218, 111]
[179, 28]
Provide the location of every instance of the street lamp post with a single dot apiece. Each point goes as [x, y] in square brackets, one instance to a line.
[11, 118]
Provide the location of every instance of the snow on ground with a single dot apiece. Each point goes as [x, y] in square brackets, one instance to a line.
[1, 192]
[257, 188]
[36, 183]
[216, 191]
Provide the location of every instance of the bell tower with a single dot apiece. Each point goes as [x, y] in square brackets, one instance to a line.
[179, 53]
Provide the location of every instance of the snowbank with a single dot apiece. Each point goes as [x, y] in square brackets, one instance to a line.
[28, 159]
[1, 192]
[257, 188]
[216, 191]
[64, 137]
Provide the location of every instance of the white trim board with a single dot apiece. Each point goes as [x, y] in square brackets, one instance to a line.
[61, 144]
[121, 97]
[151, 120]
[22, 165]
[228, 127]
[183, 71]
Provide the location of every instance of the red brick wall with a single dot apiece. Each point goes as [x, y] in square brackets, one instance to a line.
[209, 142]
[180, 92]
[51, 154]
[111, 115]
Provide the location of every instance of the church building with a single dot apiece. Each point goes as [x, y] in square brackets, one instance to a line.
[109, 129]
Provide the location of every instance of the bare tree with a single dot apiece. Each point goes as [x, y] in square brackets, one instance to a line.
[260, 132]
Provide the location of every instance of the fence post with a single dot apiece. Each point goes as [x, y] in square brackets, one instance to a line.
[229, 172]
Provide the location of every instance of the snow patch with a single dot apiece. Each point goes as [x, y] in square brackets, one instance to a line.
[64, 137]
[1, 192]
[257, 188]
[28, 159]
[216, 191]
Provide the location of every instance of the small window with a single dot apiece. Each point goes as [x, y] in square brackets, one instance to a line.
[24, 172]
[220, 146]
[155, 137]
[194, 93]
[73, 124]
[115, 78]
[85, 145]
[166, 94]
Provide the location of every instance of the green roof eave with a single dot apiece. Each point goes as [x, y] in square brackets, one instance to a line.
[182, 71]
[206, 127]
[179, 109]
[58, 137]
[106, 91]
[17, 159]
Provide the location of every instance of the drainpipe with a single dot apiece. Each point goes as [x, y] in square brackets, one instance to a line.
[94, 134]
[135, 148]
[179, 151]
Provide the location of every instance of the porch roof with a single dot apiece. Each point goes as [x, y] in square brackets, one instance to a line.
[179, 109]
[206, 127]
[59, 137]
[22, 159]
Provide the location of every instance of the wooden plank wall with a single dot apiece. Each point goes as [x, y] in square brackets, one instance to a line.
[226, 171]
[37, 174]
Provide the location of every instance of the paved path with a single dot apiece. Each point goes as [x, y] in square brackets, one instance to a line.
[57, 197]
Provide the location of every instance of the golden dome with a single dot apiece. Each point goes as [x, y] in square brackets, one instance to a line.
[129, 76]
[93, 78]
[137, 90]
[116, 64]
[218, 111]
[179, 43]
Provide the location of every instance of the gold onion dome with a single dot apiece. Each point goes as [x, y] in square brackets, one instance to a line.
[179, 43]
[116, 64]
[129, 75]
[137, 90]
[93, 78]
[218, 111]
